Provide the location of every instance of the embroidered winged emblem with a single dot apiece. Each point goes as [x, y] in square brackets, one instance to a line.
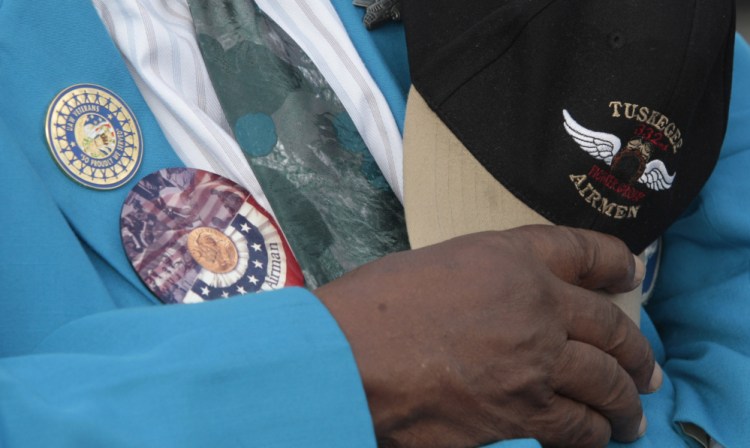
[629, 164]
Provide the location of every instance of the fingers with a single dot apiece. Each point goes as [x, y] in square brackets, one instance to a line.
[589, 259]
[590, 376]
[593, 320]
[572, 423]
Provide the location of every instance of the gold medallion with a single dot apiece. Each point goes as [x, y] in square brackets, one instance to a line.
[94, 137]
[213, 250]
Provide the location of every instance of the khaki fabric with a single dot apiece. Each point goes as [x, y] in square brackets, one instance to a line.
[447, 193]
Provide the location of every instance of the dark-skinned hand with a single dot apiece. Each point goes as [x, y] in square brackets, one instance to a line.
[499, 335]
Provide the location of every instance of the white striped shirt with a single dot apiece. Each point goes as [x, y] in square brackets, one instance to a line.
[157, 41]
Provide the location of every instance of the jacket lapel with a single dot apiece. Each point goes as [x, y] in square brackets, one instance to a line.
[45, 48]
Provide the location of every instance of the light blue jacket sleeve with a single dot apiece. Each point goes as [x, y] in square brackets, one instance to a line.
[77, 369]
[87, 356]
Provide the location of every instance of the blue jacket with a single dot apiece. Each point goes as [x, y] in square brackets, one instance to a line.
[88, 357]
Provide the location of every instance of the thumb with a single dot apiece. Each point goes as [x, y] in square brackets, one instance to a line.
[585, 258]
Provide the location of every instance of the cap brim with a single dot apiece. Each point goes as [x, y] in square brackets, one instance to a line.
[447, 193]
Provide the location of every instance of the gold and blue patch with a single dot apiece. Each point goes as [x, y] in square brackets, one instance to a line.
[94, 137]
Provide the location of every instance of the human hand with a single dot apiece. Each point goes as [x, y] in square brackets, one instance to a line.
[499, 335]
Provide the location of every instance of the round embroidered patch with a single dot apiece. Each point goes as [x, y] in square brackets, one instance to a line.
[194, 236]
[94, 137]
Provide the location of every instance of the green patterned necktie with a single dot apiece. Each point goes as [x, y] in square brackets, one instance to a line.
[329, 196]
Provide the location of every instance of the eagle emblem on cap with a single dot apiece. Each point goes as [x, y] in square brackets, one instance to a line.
[630, 164]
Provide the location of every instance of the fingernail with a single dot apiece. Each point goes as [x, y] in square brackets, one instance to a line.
[640, 271]
[656, 378]
[643, 426]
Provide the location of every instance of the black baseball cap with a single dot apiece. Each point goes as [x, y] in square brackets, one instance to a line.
[599, 114]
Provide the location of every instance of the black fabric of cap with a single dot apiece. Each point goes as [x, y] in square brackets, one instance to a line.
[500, 73]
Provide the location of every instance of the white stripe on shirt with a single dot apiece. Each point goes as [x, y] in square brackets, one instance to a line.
[157, 41]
